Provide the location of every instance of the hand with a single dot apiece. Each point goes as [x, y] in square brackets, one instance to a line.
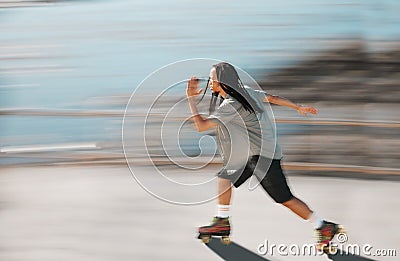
[192, 86]
[306, 109]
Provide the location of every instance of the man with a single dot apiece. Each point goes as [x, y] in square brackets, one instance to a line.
[247, 143]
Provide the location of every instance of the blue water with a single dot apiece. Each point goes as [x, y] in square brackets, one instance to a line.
[81, 50]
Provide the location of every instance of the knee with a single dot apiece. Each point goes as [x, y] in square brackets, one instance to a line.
[283, 197]
[289, 203]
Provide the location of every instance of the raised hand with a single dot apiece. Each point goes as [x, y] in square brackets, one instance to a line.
[192, 87]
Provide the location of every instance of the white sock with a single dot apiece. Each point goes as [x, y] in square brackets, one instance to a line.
[315, 220]
[223, 211]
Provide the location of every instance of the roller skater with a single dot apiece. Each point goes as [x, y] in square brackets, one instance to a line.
[247, 143]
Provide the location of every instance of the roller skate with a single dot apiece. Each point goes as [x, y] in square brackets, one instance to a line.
[219, 227]
[325, 234]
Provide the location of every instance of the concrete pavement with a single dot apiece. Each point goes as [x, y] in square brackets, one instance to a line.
[101, 213]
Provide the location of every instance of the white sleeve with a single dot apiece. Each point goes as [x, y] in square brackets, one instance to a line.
[260, 94]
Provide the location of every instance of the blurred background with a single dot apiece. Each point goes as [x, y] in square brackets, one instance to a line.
[68, 69]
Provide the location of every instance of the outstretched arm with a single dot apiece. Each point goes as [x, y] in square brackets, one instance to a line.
[285, 102]
[191, 92]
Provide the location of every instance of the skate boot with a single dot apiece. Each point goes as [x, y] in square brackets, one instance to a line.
[325, 234]
[219, 227]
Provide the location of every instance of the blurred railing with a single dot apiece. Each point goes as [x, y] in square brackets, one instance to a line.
[302, 151]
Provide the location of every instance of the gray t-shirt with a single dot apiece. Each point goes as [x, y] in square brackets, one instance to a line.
[241, 134]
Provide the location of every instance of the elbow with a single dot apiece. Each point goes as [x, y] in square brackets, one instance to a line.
[201, 128]
[204, 125]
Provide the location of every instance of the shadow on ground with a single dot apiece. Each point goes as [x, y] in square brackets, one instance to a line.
[233, 251]
[344, 256]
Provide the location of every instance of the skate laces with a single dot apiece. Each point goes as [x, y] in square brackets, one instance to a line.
[220, 221]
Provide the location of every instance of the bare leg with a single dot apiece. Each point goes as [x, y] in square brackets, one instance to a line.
[224, 191]
[298, 207]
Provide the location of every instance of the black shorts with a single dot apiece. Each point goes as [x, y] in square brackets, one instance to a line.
[268, 172]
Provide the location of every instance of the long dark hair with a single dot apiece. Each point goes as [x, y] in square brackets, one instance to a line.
[230, 82]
